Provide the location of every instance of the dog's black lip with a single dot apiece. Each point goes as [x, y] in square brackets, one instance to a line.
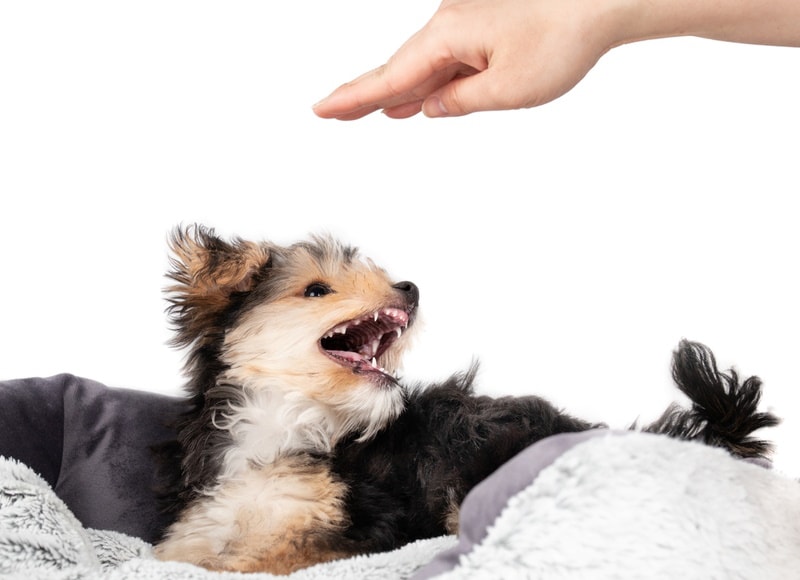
[380, 376]
[362, 368]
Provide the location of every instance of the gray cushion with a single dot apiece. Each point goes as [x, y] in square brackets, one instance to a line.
[91, 443]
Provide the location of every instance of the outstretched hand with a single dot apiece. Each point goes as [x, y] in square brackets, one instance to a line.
[475, 55]
[478, 55]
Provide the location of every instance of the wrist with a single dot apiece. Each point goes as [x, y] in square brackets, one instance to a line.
[772, 22]
[635, 20]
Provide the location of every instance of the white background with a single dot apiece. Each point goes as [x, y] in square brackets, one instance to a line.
[569, 247]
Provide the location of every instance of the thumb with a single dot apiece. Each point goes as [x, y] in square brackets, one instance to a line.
[464, 95]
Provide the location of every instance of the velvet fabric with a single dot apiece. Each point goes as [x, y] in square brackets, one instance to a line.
[92, 444]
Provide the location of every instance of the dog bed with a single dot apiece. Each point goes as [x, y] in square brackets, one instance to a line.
[75, 502]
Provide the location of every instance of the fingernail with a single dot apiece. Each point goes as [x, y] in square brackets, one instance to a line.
[434, 107]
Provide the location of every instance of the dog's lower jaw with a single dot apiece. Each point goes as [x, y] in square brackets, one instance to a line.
[370, 409]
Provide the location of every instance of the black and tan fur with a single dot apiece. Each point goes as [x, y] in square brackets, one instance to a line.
[301, 449]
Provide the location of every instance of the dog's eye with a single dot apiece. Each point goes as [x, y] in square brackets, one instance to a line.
[316, 290]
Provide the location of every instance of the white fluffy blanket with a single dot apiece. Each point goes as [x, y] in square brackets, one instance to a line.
[40, 538]
[577, 507]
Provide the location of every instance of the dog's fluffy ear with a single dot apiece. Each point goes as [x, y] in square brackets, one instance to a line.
[207, 271]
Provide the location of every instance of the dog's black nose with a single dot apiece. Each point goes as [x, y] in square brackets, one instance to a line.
[410, 290]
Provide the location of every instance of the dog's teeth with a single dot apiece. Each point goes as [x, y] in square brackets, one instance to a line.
[341, 329]
[399, 332]
[375, 317]
[374, 362]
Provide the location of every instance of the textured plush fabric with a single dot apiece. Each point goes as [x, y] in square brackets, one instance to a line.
[484, 504]
[40, 538]
[626, 505]
[603, 507]
[91, 443]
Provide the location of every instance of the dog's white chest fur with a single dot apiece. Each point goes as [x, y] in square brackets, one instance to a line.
[268, 424]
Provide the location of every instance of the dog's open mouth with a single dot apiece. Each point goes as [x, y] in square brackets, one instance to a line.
[359, 343]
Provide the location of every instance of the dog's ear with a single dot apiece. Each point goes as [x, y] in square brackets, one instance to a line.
[207, 272]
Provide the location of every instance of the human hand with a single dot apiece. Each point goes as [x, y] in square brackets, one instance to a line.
[478, 55]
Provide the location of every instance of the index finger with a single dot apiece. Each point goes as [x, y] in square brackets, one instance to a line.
[389, 85]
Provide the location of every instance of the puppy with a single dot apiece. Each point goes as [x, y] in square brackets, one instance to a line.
[302, 446]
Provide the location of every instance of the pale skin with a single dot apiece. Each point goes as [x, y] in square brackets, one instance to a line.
[480, 55]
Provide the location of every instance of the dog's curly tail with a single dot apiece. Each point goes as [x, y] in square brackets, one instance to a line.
[724, 411]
